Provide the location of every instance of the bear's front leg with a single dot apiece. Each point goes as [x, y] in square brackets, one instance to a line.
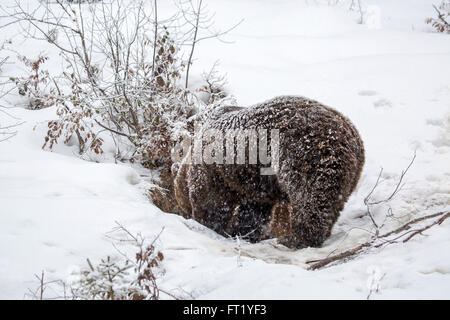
[212, 200]
[310, 227]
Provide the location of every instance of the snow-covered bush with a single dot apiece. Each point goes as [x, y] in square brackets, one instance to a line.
[213, 87]
[123, 277]
[120, 279]
[34, 86]
[123, 75]
[117, 277]
[7, 128]
[442, 22]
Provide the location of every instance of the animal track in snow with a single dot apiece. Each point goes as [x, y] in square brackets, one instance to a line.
[382, 103]
[367, 93]
[50, 244]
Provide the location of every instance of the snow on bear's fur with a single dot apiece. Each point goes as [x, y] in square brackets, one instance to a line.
[321, 156]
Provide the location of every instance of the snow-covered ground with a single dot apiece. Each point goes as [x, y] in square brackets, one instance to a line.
[390, 76]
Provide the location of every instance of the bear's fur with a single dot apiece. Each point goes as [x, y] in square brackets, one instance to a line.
[321, 156]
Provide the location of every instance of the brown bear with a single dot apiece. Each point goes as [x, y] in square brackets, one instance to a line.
[320, 158]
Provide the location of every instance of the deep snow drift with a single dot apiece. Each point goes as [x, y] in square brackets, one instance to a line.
[390, 77]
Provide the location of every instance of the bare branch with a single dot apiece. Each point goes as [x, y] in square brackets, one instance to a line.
[317, 264]
[367, 200]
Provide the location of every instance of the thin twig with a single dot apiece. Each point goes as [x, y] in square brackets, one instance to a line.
[317, 264]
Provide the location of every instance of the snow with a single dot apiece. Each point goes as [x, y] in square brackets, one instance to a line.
[392, 81]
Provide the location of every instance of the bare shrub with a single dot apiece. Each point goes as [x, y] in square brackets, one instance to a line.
[123, 75]
[442, 22]
[34, 86]
[113, 278]
[400, 235]
[214, 87]
[7, 128]
[369, 202]
[378, 239]
[123, 277]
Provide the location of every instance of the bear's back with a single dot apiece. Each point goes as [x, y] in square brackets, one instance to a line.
[303, 125]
